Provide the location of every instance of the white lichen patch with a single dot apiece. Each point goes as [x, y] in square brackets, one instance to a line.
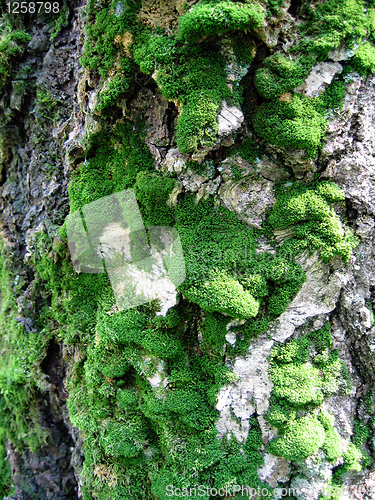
[319, 78]
[230, 119]
[248, 394]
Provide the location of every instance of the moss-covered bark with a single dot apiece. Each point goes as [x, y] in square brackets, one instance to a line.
[122, 403]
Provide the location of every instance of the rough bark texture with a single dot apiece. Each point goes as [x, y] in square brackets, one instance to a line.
[58, 116]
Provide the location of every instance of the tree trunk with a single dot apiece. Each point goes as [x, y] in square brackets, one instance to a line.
[232, 354]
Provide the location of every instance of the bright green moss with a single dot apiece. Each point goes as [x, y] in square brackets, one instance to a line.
[352, 461]
[195, 76]
[364, 59]
[210, 18]
[224, 294]
[332, 445]
[306, 211]
[197, 125]
[303, 382]
[334, 21]
[301, 439]
[293, 124]
[299, 385]
[281, 74]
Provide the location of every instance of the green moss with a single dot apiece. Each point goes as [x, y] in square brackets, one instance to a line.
[293, 124]
[332, 445]
[124, 439]
[334, 21]
[195, 76]
[210, 18]
[127, 399]
[352, 462]
[107, 49]
[20, 373]
[281, 74]
[224, 294]
[361, 433]
[307, 212]
[114, 88]
[45, 99]
[101, 48]
[116, 158]
[273, 6]
[302, 384]
[12, 46]
[364, 59]
[301, 439]
[61, 22]
[214, 329]
[332, 97]
[152, 191]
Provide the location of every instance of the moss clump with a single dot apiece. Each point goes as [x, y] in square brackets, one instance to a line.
[12, 46]
[307, 212]
[152, 192]
[224, 294]
[294, 124]
[210, 18]
[364, 59]
[302, 383]
[118, 158]
[334, 21]
[332, 445]
[301, 439]
[223, 271]
[281, 74]
[195, 76]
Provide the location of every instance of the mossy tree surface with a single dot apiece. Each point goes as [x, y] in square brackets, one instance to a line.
[138, 438]
[302, 381]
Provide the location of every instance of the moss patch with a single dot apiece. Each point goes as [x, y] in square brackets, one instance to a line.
[302, 383]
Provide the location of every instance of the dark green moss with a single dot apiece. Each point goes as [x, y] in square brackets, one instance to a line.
[12, 46]
[281, 74]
